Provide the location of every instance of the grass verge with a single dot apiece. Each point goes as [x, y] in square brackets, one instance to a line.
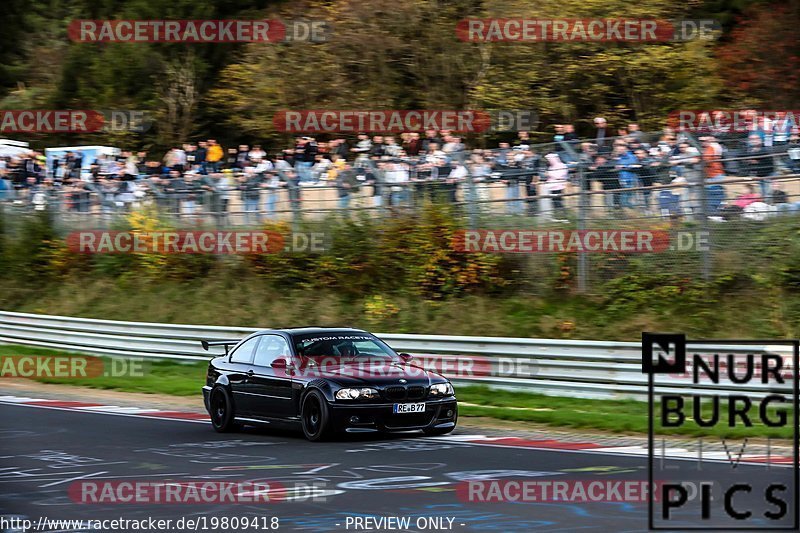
[184, 378]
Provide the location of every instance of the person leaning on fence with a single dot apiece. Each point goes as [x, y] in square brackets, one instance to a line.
[503, 165]
[455, 179]
[78, 196]
[604, 172]
[429, 174]
[75, 163]
[292, 181]
[375, 176]
[759, 163]
[169, 187]
[624, 160]
[529, 166]
[156, 190]
[346, 184]
[688, 166]
[226, 185]
[397, 179]
[646, 169]
[250, 191]
[444, 187]
[271, 184]
[792, 160]
[305, 153]
[207, 193]
[43, 195]
[712, 159]
[127, 192]
[265, 168]
[190, 195]
[107, 189]
[555, 182]
[4, 187]
[480, 173]
[319, 171]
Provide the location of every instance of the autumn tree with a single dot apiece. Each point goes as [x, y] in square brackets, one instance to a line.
[761, 58]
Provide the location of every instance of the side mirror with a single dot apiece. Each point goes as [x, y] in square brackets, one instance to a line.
[282, 362]
[405, 356]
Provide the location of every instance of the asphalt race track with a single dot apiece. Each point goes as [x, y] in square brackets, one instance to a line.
[43, 451]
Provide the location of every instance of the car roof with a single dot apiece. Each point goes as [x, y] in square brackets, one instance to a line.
[311, 330]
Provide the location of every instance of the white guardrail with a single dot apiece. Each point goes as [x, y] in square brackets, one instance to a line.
[576, 368]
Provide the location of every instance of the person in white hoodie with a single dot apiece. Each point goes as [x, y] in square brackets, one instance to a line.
[555, 180]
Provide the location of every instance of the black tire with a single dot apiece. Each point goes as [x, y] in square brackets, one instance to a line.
[315, 415]
[221, 410]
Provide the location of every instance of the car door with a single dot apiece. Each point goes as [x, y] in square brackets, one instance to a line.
[271, 387]
[240, 372]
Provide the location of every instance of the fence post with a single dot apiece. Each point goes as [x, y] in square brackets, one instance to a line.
[470, 192]
[583, 198]
[706, 250]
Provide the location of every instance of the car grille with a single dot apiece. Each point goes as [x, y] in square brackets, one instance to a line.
[395, 393]
[399, 393]
[416, 393]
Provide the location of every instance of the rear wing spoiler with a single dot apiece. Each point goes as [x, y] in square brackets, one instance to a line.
[226, 343]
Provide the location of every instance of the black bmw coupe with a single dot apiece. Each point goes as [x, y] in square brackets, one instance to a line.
[325, 380]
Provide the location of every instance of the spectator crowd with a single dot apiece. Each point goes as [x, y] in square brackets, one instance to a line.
[624, 165]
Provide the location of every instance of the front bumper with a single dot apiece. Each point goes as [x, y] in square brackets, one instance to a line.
[369, 417]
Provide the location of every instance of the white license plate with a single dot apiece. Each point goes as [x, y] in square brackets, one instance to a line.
[409, 407]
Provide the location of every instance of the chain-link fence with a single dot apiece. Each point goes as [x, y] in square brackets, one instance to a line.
[708, 196]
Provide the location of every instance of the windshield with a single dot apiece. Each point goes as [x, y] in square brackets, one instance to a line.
[344, 346]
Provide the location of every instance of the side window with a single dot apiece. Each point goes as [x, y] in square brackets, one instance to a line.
[271, 347]
[244, 353]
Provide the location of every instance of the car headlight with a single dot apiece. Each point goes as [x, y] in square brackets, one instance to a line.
[441, 389]
[354, 394]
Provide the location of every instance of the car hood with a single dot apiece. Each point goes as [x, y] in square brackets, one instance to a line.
[376, 375]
